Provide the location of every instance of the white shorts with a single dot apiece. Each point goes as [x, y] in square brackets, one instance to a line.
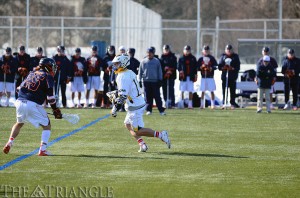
[187, 85]
[94, 82]
[28, 111]
[207, 84]
[77, 85]
[9, 87]
[135, 118]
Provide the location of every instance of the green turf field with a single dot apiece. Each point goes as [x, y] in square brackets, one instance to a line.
[214, 154]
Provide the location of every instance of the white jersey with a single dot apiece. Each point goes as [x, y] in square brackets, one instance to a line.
[128, 85]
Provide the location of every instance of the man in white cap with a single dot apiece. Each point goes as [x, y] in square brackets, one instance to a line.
[265, 79]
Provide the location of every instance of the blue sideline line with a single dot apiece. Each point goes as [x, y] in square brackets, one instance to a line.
[18, 159]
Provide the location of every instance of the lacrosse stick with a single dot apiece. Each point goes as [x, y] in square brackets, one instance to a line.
[206, 61]
[72, 118]
[168, 92]
[227, 62]
[57, 89]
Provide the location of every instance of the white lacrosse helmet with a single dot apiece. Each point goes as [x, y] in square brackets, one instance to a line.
[121, 62]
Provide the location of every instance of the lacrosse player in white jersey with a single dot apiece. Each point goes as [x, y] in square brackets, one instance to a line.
[129, 93]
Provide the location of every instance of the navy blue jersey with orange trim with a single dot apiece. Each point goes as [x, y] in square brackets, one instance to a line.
[36, 87]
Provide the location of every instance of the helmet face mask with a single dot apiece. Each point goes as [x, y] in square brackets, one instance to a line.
[48, 65]
[120, 63]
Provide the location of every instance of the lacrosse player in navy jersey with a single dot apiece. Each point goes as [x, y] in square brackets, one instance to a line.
[79, 76]
[129, 93]
[33, 91]
[207, 64]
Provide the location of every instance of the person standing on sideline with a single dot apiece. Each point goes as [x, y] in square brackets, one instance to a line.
[129, 93]
[150, 74]
[108, 73]
[290, 70]
[273, 63]
[23, 60]
[35, 60]
[79, 76]
[229, 64]
[94, 66]
[187, 68]
[168, 62]
[207, 64]
[8, 69]
[265, 78]
[33, 91]
[134, 63]
[63, 74]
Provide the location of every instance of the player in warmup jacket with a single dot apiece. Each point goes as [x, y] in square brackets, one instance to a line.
[207, 64]
[35, 60]
[63, 74]
[8, 69]
[79, 76]
[129, 93]
[265, 52]
[187, 68]
[33, 91]
[291, 70]
[94, 65]
[108, 73]
[23, 60]
[229, 62]
[168, 63]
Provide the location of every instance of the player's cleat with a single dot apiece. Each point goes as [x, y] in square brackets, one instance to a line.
[165, 138]
[79, 106]
[148, 113]
[259, 111]
[44, 153]
[295, 108]
[212, 107]
[286, 106]
[143, 148]
[86, 105]
[93, 106]
[272, 107]
[163, 113]
[7, 147]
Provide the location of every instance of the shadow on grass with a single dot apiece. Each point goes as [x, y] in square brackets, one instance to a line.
[108, 157]
[200, 155]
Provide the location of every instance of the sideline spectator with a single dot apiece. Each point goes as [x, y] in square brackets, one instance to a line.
[187, 68]
[150, 74]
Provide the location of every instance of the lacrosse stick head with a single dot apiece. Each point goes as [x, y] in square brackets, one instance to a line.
[112, 95]
[72, 118]
[228, 61]
[206, 60]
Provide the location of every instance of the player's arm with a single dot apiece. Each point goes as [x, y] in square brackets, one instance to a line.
[123, 86]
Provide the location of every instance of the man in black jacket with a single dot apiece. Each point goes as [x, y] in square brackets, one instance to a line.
[207, 64]
[290, 70]
[187, 68]
[63, 74]
[108, 74]
[8, 69]
[229, 64]
[265, 79]
[134, 63]
[168, 62]
[23, 60]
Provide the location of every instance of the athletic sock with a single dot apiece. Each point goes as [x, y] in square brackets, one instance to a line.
[45, 138]
[212, 103]
[140, 141]
[157, 134]
[11, 140]
[190, 103]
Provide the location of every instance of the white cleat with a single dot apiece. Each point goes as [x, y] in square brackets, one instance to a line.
[143, 148]
[165, 138]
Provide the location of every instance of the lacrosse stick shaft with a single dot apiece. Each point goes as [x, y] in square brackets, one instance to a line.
[168, 94]
[57, 88]
[5, 83]
[226, 90]
[203, 99]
